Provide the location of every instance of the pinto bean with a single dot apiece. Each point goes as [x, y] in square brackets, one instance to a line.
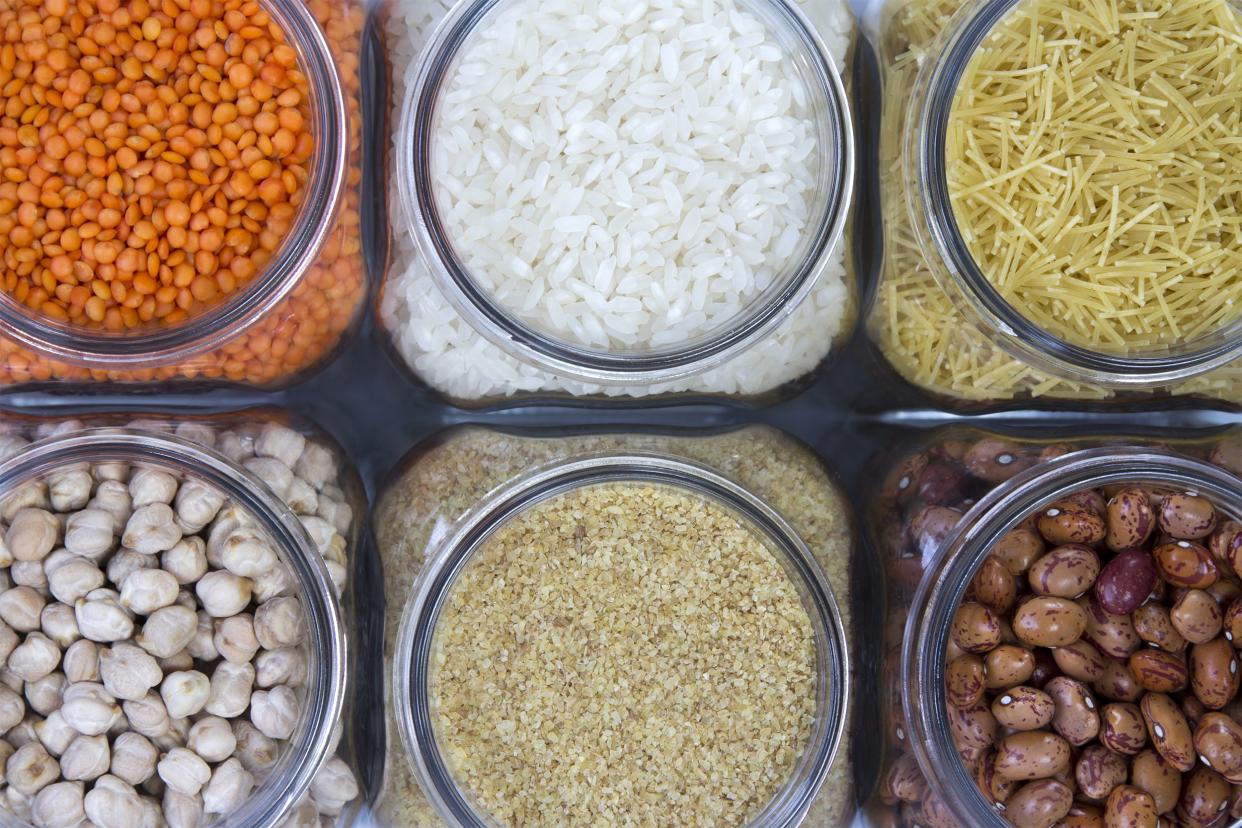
[1098, 771]
[1033, 755]
[1122, 729]
[1126, 581]
[1023, 708]
[1080, 661]
[1047, 621]
[1168, 730]
[1040, 804]
[1130, 520]
[904, 781]
[1187, 516]
[1113, 634]
[964, 681]
[1008, 665]
[1214, 673]
[1150, 772]
[1067, 571]
[994, 586]
[1205, 796]
[1197, 616]
[1067, 522]
[1186, 563]
[1118, 683]
[1218, 739]
[1159, 672]
[1018, 549]
[1151, 622]
[1077, 717]
[976, 629]
[1130, 807]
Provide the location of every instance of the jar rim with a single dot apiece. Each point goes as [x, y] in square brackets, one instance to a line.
[326, 648]
[456, 547]
[954, 267]
[502, 327]
[949, 572]
[217, 325]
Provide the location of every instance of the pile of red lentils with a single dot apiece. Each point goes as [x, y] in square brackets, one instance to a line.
[153, 157]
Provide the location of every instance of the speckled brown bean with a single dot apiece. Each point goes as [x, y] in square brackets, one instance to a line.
[1159, 672]
[1091, 500]
[1039, 804]
[1023, 708]
[1187, 516]
[1126, 581]
[1150, 772]
[1098, 771]
[1035, 755]
[974, 728]
[1192, 709]
[1235, 802]
[1046, 621]
[1122, 729]
[1197, 616]
[994, 586]
[934, 813]
[1066, 571]
[1186, 564]
[1130, 807]
[1226, 545]
[904, 780]
[1117, 683]
[1018, 549]
[942, 484]
[975, 628]
[964, 680]
[1112, 633]
[1066, 522]
[1205, 796]
[1008, 666]
[899, 485]
[1130, 520]
[1214, 673]
[1228, 455]
[1151, 622]
[1080, 660]
[1225, 591]
[1077, 717]
[1082, 815]
[995, 461]
[1168, 731]
[990, 783]
[930, 526]
[1045, 668]
[1232, 623]
[1218, 739]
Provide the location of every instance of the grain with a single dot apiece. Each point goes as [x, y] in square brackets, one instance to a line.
[448, 353]
[459, 469]
[636, 644]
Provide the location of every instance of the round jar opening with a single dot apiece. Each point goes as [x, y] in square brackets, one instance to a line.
[1060, 184]
[633, 194]
[614, 622]
[254, 775]
[172, 235]
[1103, 541]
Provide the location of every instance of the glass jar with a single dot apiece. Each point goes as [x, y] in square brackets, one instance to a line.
[262, 329]
[445, 322]
[260, 695]
[455, 490]
[936, 319]
[958, 499]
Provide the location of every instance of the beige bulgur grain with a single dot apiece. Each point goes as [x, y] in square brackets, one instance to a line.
[623, 655]
[450, 476]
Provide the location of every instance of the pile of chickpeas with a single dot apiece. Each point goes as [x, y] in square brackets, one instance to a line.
[1095, 658]
[153, 640]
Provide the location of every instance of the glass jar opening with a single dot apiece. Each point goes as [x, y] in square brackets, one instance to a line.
[311, 743]
[413, 672]
[151, 346]
[959, 557]
[948, 253]
[418, 188]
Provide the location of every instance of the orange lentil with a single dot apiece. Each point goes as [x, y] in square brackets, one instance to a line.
[135, 146]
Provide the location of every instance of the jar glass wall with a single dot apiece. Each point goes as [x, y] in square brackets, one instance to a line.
[451, 309]
[180, 616]
[964, 515]
[939, 317]
[210, 234]
[471, 481]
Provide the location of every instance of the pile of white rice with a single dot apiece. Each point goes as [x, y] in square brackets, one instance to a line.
[617, 174]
